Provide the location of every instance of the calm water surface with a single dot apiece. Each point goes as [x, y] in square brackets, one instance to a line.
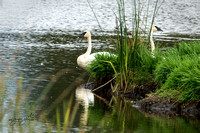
[38, 52]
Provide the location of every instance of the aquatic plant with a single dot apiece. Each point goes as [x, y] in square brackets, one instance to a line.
[176, 70]
[134, 60]
[19, 114]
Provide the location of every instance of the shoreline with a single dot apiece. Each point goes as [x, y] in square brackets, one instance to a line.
[149, 103]
[156, 104]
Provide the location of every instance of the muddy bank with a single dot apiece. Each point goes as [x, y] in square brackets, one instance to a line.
[151, 104]
[139, 91]
[155, 105]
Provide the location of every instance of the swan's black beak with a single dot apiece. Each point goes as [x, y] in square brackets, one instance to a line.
[158, 29]
[82, 35]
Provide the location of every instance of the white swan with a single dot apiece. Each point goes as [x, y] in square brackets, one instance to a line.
[154, 28]
[85, 59]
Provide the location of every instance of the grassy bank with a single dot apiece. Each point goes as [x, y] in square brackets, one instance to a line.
[178, 72]
[175, 71]
[132, 49]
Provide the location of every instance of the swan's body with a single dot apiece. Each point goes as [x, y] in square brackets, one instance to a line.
[85, 59]
[154, 28]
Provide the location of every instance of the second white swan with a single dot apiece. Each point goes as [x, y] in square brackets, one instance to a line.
[154, 28]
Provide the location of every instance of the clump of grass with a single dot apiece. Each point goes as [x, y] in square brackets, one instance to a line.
[172, 58]
[177, 70]
[180, 71]
[134, 60]
[191, 48]
[104, 66]
[147, 60]
[186, 79]
[165, 67]
[129, 48]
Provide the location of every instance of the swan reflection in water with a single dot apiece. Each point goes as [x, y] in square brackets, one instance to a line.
[86, 99]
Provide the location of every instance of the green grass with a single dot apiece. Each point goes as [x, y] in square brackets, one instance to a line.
[134, 62]
[176, 70]
[180, 71]
[104, 66]
[132, 50]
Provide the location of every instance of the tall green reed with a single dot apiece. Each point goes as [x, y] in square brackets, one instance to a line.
[130, 48]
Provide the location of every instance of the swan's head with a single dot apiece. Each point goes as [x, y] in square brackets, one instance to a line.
[86, 34]
[155, 28]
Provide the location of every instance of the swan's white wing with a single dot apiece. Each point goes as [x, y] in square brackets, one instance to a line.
[89, 59]
[103, 53]
[84, 60]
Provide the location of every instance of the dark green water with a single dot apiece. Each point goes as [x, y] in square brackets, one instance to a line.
[39, 48]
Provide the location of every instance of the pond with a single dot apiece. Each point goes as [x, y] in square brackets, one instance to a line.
[39, 73]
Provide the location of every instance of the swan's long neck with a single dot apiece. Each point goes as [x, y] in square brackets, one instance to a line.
[89, 49]
[151, 40]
